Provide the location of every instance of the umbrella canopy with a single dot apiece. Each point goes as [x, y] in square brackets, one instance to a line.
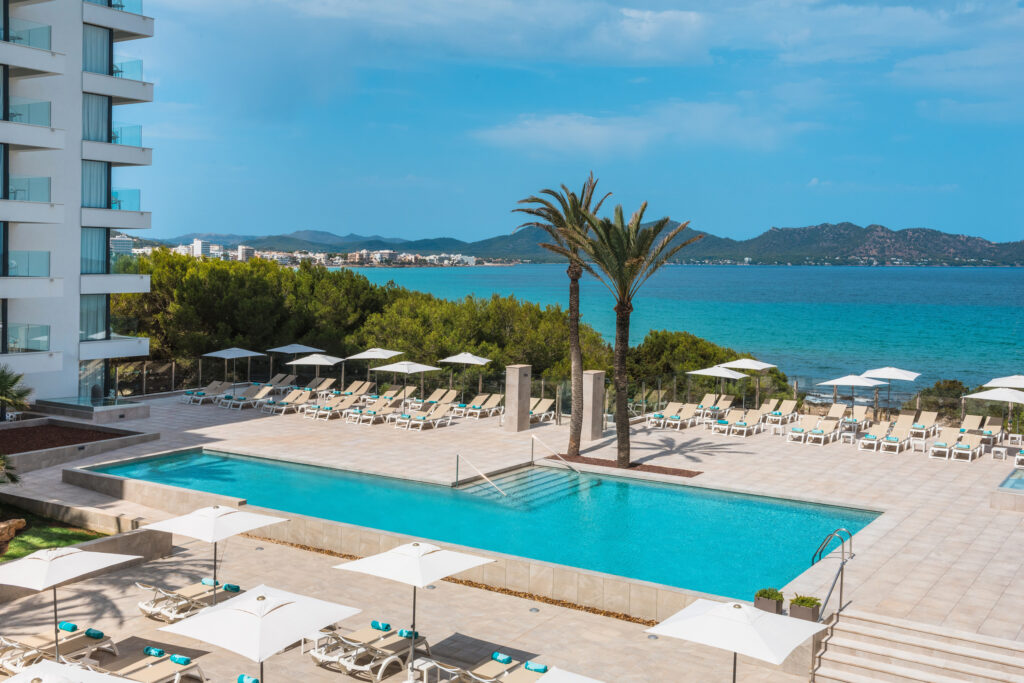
[747, 364]
[316, 359]
[261, 622]
[852, 381]
[718, 371]
[52, 672]
[417, 565]
[234, 353]
[738, 628]
[375, 354]
[465, 358]
[1004, 395]
[214, 524]
[405, 367]
[892, 373]
[51, 567]
[1011, 382]
[295, 348]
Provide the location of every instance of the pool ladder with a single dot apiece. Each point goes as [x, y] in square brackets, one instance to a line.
[458, 458]
[846, 554]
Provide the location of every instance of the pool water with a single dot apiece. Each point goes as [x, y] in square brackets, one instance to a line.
[1015, 481]
[705, 540]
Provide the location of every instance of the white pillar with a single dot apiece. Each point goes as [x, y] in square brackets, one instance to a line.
[593, 405]
[517, 397]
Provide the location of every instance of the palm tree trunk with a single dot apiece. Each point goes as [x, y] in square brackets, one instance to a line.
[575, 272]
[622, 313]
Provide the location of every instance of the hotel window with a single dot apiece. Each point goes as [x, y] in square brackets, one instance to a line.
[96, 184]
[97, 50]
[95, 251]
[93, 317]
[95, 117]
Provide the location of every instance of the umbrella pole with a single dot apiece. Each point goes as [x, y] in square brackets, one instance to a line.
[733, 667]
[412, 638]
[480, 384]
[451, 376]
[56, 636]
[215, 573]
[261, 672]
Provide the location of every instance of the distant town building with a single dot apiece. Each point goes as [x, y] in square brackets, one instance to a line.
[244, 253]
[121, 244]
[200, 248]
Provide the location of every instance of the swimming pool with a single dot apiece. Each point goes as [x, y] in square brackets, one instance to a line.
[712, 541]
[1015, 481]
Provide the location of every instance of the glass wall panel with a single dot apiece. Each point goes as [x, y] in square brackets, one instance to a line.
[96, 42]
[93, 317]
[92, 379]
[95, 184]
[95, 257]
[95, 117]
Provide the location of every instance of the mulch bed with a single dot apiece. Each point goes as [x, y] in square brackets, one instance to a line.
[24, 439]
[636, 466]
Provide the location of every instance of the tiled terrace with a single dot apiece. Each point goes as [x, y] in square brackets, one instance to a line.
[938, 555]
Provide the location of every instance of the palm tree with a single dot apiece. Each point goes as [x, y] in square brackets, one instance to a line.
[13, 394]
[7, 473]
[624, 256]
[563, 213]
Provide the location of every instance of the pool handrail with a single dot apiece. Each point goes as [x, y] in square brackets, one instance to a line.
[844, 557]
[553, 452]
[486, 478]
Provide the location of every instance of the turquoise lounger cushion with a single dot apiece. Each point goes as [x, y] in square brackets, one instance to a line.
[817, 431]
[420, 417]
[987, 432]
[210, 582]
[870, 437]
[380, 625]
[722, 422]
[741, 424]
[536, 668]
[917, 426]
[798, 430]
[406, 633]
[891, 438]
[1020, 452]
[940, 444]
[95, 634]
[181, 660]
[776, 412]
[152, 651]
[475, 407]
[200, 393]
[656, 415]
[713, 408]
[245, 678]
[501, 657]
[231, 588]
[462, 405]
[961, 446]
[962, 430]
[67, 626]
[404, 416]
[675, 417]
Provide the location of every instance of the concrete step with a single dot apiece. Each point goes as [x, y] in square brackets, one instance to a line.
[896, 654]
[871, 634]
[1008, 648]
[828, 674]
[847, 666]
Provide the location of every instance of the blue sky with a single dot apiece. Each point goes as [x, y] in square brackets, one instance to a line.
[422, 118]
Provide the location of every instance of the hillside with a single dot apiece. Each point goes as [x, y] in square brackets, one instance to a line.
[825, 243]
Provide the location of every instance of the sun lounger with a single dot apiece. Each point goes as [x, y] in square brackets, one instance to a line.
[374, 657]
[354, 413]
[871, 441]
[723, 423]
[247, 398]
[209, 389]
[434, 397]
[239, 392]
[905, 420]
[275, 380]
[149, 663]
[720, 407]
[478, 400]
[836, 411]
[858, 421]
[490, 670]
[706, 402]
[19, 652]
[1018, 460]
[786, 412]
[489, 407]
[657, 419]
[769, 405]
[826, 431]
[529, 672]
[751, 423]
[971, 423]
[210, 395]
[968, 448]
[798, 432]
[311, 410]
[896, 440]
[268, 405]
[352, 388]
[992, 430]
[441, 415]
[332, 646]
[543, 410]
[943, 443]
[172, 605]
[325, 386]
[328, 411]
[925, 426]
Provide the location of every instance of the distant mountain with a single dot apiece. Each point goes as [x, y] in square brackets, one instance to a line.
[825, 243]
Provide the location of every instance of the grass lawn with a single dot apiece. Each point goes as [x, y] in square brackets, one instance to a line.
[40, 533]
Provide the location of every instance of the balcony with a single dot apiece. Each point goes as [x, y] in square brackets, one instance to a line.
[124, 149]
[28, 52]
[125, 200]
[124, 85]
[31, 287]
[128, 283]
[114, 218]
[27, 338]
[115, 347]
[28, 126]
[29, 202]
[28, 263]
[124, 17]
[29, 33]
[29, 362]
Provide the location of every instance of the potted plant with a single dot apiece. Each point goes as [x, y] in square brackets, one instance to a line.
[769, 599]
[805, 607]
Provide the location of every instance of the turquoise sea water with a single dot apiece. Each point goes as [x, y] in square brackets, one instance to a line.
[815, 323]
[711, 541]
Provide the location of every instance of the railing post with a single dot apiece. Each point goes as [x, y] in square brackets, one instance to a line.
[532, 443]
[173, 367]
[456, 469]
[145, 366]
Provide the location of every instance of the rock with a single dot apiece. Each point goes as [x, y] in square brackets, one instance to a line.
[8, 530]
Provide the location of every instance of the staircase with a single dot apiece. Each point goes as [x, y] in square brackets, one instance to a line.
[865, 647]
[533, 486]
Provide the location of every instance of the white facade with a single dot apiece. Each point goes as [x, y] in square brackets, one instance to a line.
[245, 253]
[63, 141]
[200, 248]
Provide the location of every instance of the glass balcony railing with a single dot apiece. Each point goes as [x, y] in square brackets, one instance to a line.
[25, 189]
[33, 112]
[128, 69]
[123, 326]
[126, 200]
[123, 134]
[133, 6]
[28, 264]
[29, 33]
[24, 338]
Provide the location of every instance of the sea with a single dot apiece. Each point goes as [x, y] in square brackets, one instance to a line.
[814, 322]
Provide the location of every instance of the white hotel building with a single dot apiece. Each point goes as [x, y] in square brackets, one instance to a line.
[62, 142]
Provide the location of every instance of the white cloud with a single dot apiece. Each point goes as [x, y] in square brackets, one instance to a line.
[675, 123]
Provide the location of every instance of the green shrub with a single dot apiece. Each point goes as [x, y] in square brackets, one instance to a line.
[805, 601]
[769, 593]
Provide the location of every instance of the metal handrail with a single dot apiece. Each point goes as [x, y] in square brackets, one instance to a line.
[555, 453]
[841, 572]
[838, 533]
[486, 478]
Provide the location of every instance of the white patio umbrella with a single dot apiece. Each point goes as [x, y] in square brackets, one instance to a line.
[1005, 395]
[891, 373]
[1011, 382]
[317, 359]
[293, 349]
[418, 565]
[738, 628]
[374, 354]
[752, 365]
[52, 672]
[406, 367]
[718, 371]
[232, 354]
[852, 381]
[212, 525]
[466, 358]
[52, 567]
[261, 622]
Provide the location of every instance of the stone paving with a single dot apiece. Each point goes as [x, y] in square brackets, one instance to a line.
[939, 554]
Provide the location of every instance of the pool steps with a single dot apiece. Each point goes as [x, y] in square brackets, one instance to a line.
[867, 647]
[534, 486]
